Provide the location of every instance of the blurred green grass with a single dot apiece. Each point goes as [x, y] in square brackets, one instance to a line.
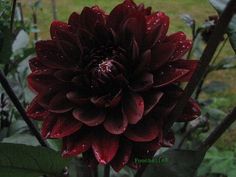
[198, 9]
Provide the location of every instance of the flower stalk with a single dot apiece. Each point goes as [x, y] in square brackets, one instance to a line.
[219, 130]
[6, 86]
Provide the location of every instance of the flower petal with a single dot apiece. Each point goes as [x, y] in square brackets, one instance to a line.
[146, 130]
[143, 83]
[65, 125]
[76, 144]
[89, 115]
[105, 146]
[168, 139]
[161, 54]
[168, 76]
[36, 111]
[115, 122]
[36, 64]
[41, 80]
[60, 104]
[58, 26]
[133, 107]
[77, 98]
[150, 100]
[122, 156]
[47, 125]
[191, 111]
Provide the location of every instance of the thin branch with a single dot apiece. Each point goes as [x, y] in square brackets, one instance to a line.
[107, 171]
[205, 60]
[219, 130]
[12, 15]
[54, 9]
[6, 86]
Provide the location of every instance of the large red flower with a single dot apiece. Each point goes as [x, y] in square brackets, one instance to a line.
[106, 84]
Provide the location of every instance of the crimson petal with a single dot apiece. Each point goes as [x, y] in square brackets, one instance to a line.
[105, 146]
[191, 111]
[89, 115]
[161, 54]
[151, 99]
[65, 125]
[115, 123]
[77, 98]
[168, 76]
[36, 111]
[144, 82]
[47, 125]
[146, 130]
[58, 26]
[76, 144]
[133, 107]
[122, 156]
[36, 64]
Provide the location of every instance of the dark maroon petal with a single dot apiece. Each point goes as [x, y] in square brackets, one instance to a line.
[105, 146]
[76, 144]
[90, 160]
[135, 25]
[36, 64]
[89, 115]
[89, 17]
[60, 104]
[168, 76]
[122, 156]
[190, 65]
[144, 82]
[120, 13]
[153, 145]
[168, 139]
[144, 62]
[65, 125]
[161, 54]
[65, 75]
[36, 111]
[146, 130]
[133, 107]
[47, 125]
[151, 99]
[115, 122]
[51, 56]
[191, 111]
[74, 20]
[58, 26]
[154, 21]
[41, 80]
[77, 98]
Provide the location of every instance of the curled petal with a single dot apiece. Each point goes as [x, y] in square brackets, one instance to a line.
[161, 54]
[77, 98]
[191, 111]
[58, 26]
[115, 122]
[168, 139]
[74, 21]
[36, 111]
[41, 80]
[122, 156]
[76, 144]
[60, 104]
[47, 125]
[133, 107]
[146, 130]
[151, 99]
[36, 64]
[89, 115]
[64, 126]
[142, 83]
[105, 146]
[169, 76]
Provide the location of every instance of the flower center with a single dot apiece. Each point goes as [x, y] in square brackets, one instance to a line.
[105, 66]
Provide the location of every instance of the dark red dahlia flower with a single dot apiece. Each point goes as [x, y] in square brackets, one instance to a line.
[106, 84]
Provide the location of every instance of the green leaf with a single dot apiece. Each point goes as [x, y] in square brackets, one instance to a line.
[226, 63]
[28, 161]
[220, 5]
[180, 163]
[26, 139]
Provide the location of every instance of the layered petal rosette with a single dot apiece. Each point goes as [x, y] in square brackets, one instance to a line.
[106, 83]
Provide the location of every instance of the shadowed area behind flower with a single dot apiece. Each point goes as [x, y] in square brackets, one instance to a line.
[106, 83]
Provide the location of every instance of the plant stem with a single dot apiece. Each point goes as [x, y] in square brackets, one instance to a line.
[219, 130]
[12, 15]
[54, 9]
[205, 60]
[107, 171]
[6, 86]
